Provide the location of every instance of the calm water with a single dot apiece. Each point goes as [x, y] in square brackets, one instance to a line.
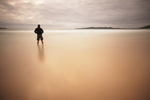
[75, 65]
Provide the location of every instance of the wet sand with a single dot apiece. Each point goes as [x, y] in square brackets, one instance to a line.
[75, 65]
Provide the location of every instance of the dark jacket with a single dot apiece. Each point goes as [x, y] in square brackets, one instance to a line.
[39, 31]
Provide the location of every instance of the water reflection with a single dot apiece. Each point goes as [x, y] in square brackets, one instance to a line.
[80, 65]
[41, 52]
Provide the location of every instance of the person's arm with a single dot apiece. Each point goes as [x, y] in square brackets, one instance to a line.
[35, 31]
[42, 30]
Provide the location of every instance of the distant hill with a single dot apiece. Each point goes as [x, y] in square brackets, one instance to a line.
[99, 28]
[145, 27]
[3, 28]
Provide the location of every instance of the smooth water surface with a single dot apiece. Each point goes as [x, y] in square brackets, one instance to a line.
[75, 65]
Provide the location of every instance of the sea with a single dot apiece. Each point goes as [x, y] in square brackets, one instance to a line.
[111, 64]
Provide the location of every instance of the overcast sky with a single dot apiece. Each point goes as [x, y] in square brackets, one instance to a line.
[23, 14]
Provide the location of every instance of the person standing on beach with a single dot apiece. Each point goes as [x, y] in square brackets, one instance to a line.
[39, 31]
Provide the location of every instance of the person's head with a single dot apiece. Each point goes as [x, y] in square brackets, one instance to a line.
[38, 25]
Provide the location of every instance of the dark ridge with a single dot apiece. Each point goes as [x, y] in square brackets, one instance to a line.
[3, 28]
[145, 27]
[99, 28]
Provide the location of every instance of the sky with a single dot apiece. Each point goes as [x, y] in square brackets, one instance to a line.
[70, 14]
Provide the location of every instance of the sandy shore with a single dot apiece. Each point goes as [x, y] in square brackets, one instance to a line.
[75, 65]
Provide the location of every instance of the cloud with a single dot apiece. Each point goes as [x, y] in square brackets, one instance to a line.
[76, 13]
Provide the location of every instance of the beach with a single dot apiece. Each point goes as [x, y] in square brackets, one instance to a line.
[75, 65]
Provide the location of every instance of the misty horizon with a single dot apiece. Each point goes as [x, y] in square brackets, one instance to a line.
[47, 27]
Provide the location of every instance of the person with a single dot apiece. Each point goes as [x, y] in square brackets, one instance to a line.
[39, 31]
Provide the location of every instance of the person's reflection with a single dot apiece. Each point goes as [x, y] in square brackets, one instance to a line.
[41, 52]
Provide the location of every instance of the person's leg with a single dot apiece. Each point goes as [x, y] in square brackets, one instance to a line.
[37, 39]
[42, 39]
